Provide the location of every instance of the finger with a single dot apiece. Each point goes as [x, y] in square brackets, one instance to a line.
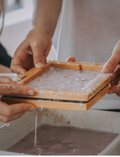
[16, 63]
[17, 69]
[115, 82]
[6, 80]
[10, 110]
[38, 54]
[71, 59]
[113, 61]
[10, 89]
[47, 50]
[6, 119]
[114, 89]
[118, 93]
[110, 65]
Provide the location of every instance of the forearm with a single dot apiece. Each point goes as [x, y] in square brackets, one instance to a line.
[34, 50]
[46, 13]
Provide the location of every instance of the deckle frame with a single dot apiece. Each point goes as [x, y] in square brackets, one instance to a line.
[64, 99]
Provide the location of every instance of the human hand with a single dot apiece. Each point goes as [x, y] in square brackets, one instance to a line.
[111, 66]
[32, 51]
[14, 111]
[71, 59]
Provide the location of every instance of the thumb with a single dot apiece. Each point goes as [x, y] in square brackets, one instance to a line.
[113, 61]
[71, 59]
[110, 65]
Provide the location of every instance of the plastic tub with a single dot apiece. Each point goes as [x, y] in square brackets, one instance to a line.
[93, 119]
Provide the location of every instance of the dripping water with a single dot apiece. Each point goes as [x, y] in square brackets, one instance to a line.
[35, 137]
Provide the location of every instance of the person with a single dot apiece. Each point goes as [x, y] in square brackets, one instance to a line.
[83, 31]
[110, 66]
[9, 87]
[34, 49]
[13, 111]
[5, 58]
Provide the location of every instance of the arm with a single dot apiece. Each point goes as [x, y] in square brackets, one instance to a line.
[110, 66]
[46, 14]
[35, 48]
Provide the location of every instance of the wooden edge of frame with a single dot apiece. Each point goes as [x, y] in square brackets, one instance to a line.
[59, 105]
[66, 65]
[62, 105]
[97, 84]
[60, 94]
[87, 93]
[77, 65]
[97, 97]
[32, 74]
[56, 95]
[92, 66]
[48, 104]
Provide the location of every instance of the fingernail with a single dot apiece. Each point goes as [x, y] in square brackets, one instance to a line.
[110, 92]
[39, 65]
[30, 92]
[31, 108]
[18, 82]
[105, 70]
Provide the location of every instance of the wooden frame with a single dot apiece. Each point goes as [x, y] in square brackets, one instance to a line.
[65, 99]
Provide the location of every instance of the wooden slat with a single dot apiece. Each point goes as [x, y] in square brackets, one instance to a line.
[32, 74]
[97, 97]
[59, 105]
[101, 85]
[48, 104]
[92, 66]
[95, 92]
[77, 65]
[66, 65]
[59, 94]
[83, 95]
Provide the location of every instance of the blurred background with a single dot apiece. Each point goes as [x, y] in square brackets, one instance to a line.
[17, 24]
